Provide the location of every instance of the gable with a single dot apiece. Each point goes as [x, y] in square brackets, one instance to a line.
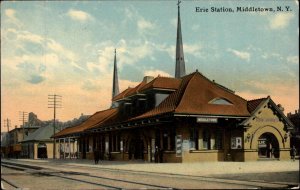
[267, 113]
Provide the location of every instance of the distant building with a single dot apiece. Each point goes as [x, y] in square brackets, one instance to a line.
[14, 137]
[295, 139]
[39, 145]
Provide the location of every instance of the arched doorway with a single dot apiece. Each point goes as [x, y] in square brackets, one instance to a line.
[268, 146]
[42, 150]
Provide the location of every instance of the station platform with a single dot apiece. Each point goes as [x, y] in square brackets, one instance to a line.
[198, 169]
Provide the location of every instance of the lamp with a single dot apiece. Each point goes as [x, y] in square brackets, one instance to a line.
[285, 137]
[248, 137]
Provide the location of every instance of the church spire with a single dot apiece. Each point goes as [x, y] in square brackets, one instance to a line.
[115, 90]
[180, 65]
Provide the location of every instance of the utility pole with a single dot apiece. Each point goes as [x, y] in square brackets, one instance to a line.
[54, 101]
[23, 115]
[7, 123]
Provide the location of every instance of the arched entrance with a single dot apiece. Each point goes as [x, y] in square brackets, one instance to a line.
[268, 146]
[42, 150]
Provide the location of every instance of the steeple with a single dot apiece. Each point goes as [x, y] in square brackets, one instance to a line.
[180, 65]
[115, 89]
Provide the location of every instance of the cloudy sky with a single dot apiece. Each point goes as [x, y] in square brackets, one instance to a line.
[67, 48]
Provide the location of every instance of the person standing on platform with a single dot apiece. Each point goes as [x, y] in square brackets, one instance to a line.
[96, 156]
[293, 153]
[156, 154]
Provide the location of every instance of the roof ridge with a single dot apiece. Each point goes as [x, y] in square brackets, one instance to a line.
[257, 99]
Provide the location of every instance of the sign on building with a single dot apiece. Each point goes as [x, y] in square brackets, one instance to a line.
[236, 142]
[207, 120]
[106, 146]
[121, 146]
[178, 141]
[153, 148]
[185, 145]
[262, 143]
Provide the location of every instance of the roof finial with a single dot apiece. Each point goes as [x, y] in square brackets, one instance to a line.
[178, 2]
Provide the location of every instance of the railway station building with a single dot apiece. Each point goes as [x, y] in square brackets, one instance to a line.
[188, 118]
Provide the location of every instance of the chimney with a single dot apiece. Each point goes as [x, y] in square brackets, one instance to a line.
[148, 79]
[280, 107]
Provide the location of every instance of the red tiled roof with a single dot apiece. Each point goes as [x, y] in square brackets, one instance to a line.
[158, 82]
[193, 97]
[95, 119]
[252, 104]
[122, 94]
[162, 83]
[199, 91]
[129, 92]
[136, 89]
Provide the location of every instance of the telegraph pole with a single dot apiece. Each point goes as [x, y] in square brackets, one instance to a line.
[54, 101]
[23, 115]
[7, 123]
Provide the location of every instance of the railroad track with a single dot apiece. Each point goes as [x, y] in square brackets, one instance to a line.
[77, 177]
[82, 177]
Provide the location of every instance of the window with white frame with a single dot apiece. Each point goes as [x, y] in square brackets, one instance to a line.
[206, 139]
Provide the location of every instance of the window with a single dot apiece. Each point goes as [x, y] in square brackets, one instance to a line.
[172, 138]
[94, 142]
[206, 139]
[165, 140]
[220, 101]
[80, 145]
[114, 141]
[87, 144]
[194, 145]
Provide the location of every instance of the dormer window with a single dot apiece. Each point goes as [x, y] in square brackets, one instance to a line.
[220, 101]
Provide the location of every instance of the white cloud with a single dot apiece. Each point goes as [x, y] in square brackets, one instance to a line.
[133, 51]
[144, 24]
[156, 73]
[10, 13]
[130, 12]
[192, 48]
[280, 20]
[27, 36]
[240, 54]
[293, 59]
[79, 15]
[59, 49]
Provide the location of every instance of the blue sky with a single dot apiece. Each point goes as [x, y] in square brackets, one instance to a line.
[67, 48]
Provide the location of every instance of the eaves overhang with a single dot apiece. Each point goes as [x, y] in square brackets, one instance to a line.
[132, 124]
[209, 116]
